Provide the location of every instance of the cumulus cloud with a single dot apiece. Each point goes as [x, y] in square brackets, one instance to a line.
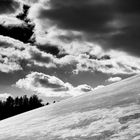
[114, 79]
[12, 52]
[10, 21]
[66, 36]
[4, 96]
[72, 39]
[56, 25]
[108, 23]
[119, 63]
[51, 86]
[84, 62]
[16, 55]
[30, 2]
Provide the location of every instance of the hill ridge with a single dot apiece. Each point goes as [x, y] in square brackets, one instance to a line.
[111, 112]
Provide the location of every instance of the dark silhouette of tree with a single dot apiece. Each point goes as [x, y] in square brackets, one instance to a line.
[13, 106]
[34, 102]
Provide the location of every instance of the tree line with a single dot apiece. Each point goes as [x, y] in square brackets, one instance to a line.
[13, 106]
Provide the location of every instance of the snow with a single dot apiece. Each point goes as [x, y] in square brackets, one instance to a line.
[109, 113]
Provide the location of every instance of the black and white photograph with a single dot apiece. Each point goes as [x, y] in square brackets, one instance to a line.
[69, 69]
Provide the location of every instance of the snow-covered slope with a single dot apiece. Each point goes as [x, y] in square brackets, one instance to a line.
[110, 113]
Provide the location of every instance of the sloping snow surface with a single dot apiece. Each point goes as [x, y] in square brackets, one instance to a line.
[109, 113]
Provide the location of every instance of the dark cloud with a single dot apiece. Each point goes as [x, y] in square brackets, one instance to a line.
[22, 33]
[128, 37]
[39, 58]
[86, 18]
[94, 57]
[112, 23]
[54, 50]
[105, 57]
[9, 6]
[23, 15]
[61, 55]
[127, 6]
[128, 40]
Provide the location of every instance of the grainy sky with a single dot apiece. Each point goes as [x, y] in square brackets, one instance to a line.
[63, 48]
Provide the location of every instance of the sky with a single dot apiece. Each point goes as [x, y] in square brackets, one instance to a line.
[59, 49]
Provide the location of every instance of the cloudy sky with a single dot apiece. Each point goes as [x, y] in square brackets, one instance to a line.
[63, 48]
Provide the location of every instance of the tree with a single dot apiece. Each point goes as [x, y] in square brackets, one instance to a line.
[13, 106]
[10, 102]
[35, 102]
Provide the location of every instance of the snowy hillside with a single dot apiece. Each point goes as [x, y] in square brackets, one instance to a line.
[110, 113]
